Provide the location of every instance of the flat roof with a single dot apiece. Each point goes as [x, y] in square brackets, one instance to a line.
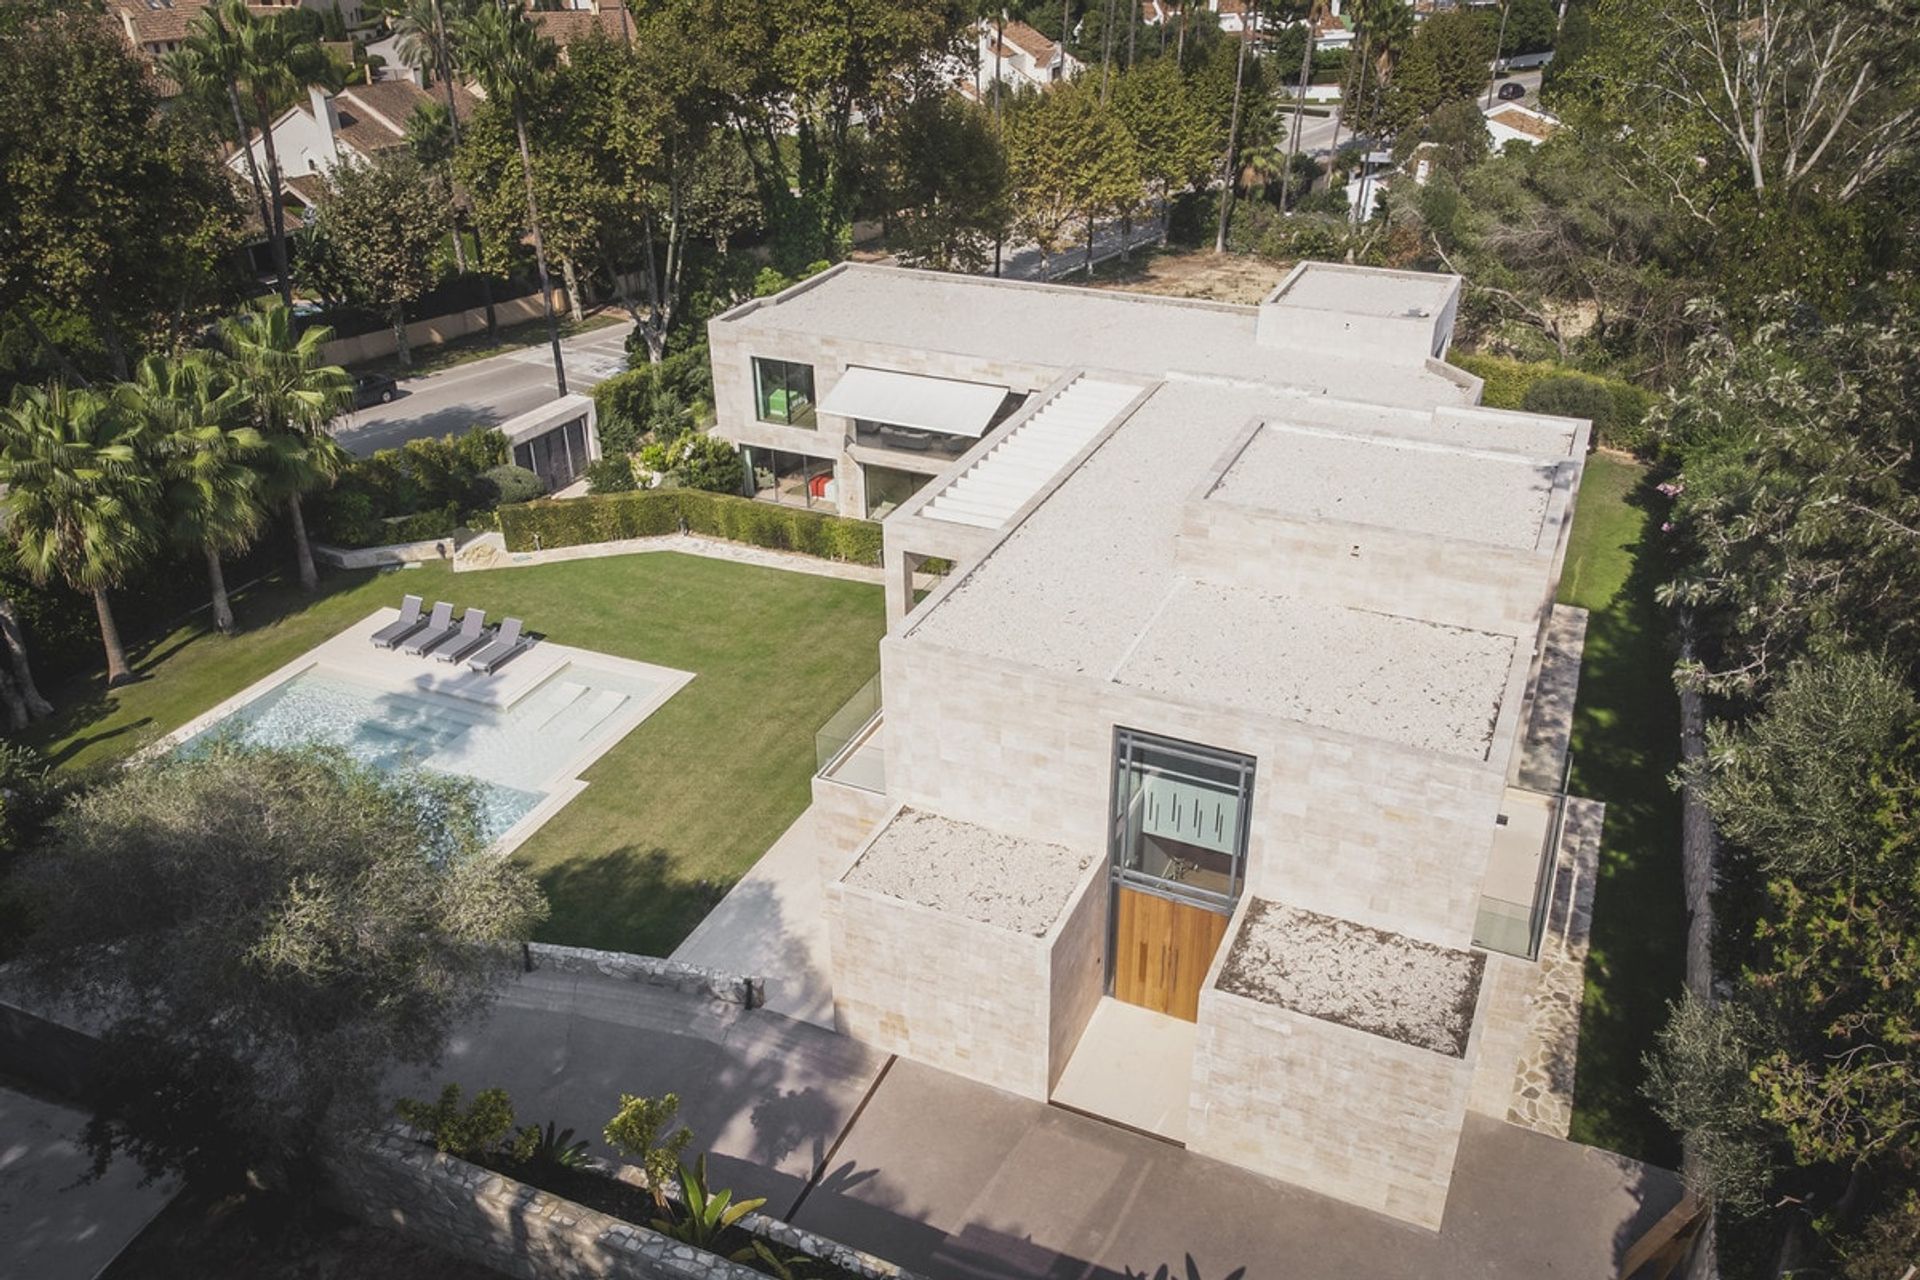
[965, 870]
[1417, 486]
[1381, 983]
[1366, 291]
[1069, 327]
[1406, 680]
[1089, 584]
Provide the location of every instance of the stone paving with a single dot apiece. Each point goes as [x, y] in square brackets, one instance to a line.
[1543, 1079]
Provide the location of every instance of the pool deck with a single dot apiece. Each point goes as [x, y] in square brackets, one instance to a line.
[351, 655]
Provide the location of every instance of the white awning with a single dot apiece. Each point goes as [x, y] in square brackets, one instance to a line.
[912, 400]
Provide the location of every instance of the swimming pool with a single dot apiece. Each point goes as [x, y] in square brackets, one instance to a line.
[520, 754]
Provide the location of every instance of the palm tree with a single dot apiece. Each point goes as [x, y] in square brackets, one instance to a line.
[509, 58]
[208, 65]
[269, 60]
[1250, 17]
[79, 497]
[1313, 13]
[294, 395]
[210, 497]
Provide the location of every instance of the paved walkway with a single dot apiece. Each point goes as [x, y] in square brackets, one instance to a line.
[772, 923]
[52, 1226]
[489, 551]
[957, 1180]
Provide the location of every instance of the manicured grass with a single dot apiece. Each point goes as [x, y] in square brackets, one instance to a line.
[677, 810]
[1625, 747]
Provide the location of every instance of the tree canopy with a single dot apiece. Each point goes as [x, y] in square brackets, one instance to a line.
[264, 935]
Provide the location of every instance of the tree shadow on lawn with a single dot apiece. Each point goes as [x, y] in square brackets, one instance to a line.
[1626, 747]
[626, 899]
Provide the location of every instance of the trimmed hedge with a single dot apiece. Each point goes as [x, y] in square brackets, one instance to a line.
[651, 513]
[1619, 419]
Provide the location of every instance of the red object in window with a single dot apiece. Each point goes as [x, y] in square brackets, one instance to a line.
[817, 485]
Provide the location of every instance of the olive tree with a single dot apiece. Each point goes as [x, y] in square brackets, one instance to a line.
[263, 935]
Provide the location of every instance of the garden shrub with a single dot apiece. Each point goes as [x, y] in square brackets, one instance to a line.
[424, 489]
[1618, 409]
[653, 512]
[507, 484]
[481, 1129]
[611, 474]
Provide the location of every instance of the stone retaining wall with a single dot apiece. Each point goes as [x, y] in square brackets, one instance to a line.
[393, 553]
[395, 1180]
[688, 979]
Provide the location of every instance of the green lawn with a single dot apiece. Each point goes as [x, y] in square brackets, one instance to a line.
[677, 810]
[1625, 746]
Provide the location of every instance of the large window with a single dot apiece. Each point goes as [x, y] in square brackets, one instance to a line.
[556, 456]
[1180, 814]
[783, 392]
[888, 488]
[779, 476]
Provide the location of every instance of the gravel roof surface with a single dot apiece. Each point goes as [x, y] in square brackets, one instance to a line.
[1359, 977]
[1067, 326]
[1330, 287]
[1420, 488]
[1422, 684]
[965, 870]
[1087, 573]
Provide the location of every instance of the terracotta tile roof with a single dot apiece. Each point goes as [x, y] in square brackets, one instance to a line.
[1030, 42]
[373, 117]
[146, 22]
[564, 26]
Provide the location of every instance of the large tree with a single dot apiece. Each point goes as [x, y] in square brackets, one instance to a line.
[117, 218]
[80, 497]
[512, 61]
[946, 182]
[1169, 128]
[206, 456]
[1070, 162]
[385, 220]
[1798, 497]
[294, 395]
[265, 935]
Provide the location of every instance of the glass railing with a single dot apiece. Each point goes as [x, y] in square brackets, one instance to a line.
[846, 725]
[1516, 928]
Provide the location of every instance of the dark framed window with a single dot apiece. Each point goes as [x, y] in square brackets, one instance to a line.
[783, 392]
[888, 487]
[1180, 818]
[779, 476]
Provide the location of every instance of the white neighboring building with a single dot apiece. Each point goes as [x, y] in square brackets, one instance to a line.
[1511, 122]
[1025, 59]
[358, 123]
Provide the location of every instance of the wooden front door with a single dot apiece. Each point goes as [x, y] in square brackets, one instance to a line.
[1161, 951]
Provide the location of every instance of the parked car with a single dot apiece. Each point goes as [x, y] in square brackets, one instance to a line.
[1509, 91]
[373, 388]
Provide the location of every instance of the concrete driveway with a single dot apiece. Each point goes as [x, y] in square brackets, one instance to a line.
[53, 1226]
[954, 1179]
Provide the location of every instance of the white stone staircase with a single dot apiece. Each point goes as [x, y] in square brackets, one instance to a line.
[987, 493]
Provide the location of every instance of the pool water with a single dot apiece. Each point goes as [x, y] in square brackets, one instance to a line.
[516, 753]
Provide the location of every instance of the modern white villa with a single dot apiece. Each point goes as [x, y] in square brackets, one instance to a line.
[1217, 784]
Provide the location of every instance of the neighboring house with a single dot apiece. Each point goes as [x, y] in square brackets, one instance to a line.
[157, 27]
[358, 123]
[1025, 59]
[564, 26]
[1511, 122]
[1216, 788]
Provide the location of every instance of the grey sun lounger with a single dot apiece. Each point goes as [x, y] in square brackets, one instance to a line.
[410, 621]
[438, 628]
[472, 634]
[506, 642]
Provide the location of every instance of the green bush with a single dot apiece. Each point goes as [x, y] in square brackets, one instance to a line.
[418, 484]
[507, 484]
[1572, 395]
[651, 513]
[611, 474]
[1618, 409]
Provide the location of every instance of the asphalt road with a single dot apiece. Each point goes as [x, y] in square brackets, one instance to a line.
[484, 392]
